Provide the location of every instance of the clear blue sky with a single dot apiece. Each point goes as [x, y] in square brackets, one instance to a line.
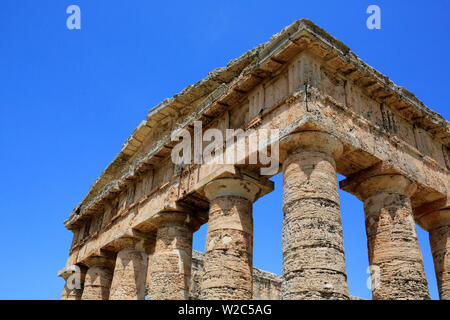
[70, 98]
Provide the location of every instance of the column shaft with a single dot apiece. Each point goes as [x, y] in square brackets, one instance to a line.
[97, 283]
[437, 222]
[313, 249]
[128, 282]
[440, 248]
[229, 250]
[394, 253]
[170, 264]
[228, 261]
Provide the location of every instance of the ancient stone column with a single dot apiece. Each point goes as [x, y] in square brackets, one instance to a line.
[74, 276]
[438, 225]
[98, 278]
[394, 254]
[130, 270]
[150, 250]
[170, 264]
[313, 249]
[228, 265]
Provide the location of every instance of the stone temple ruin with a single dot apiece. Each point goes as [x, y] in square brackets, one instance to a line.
[132, 233]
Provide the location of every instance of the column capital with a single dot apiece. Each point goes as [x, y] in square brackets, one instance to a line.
[244, 184]
[132, 239]
[310, 140]
[180, 217]
[379, 178]
[124, 243]
[231, 187]
[104, 259]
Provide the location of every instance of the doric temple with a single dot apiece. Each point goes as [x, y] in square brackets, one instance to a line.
[132, 232]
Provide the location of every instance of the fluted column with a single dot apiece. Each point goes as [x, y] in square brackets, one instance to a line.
[394, 254]
[170, 264]
[228, 265]
[313, 249]
[98, 278]
[74, 276]
[438, 225]
[128, 281]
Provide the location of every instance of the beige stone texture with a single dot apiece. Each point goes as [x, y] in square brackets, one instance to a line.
[98, 279]
[170, 264]
[440, 248]
[266, 285]
[130, 271]
[228, 258]
[302, 79]
[313, 248]
[71, 294]
[392, 239]
[438, 226]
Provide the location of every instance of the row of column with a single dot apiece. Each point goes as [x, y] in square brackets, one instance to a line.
[227, 262]
[313, 249]
[122, 276]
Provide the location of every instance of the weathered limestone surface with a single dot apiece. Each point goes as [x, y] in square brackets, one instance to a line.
[128, 282]
[302, 79]
[228, 252]
[196, 275]
[98, 279]
[438, 225]
[170, 264]
[266, 285]
[394, 252]
[440, 247]
[376, 119]
[313, 247]
[228, 258]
